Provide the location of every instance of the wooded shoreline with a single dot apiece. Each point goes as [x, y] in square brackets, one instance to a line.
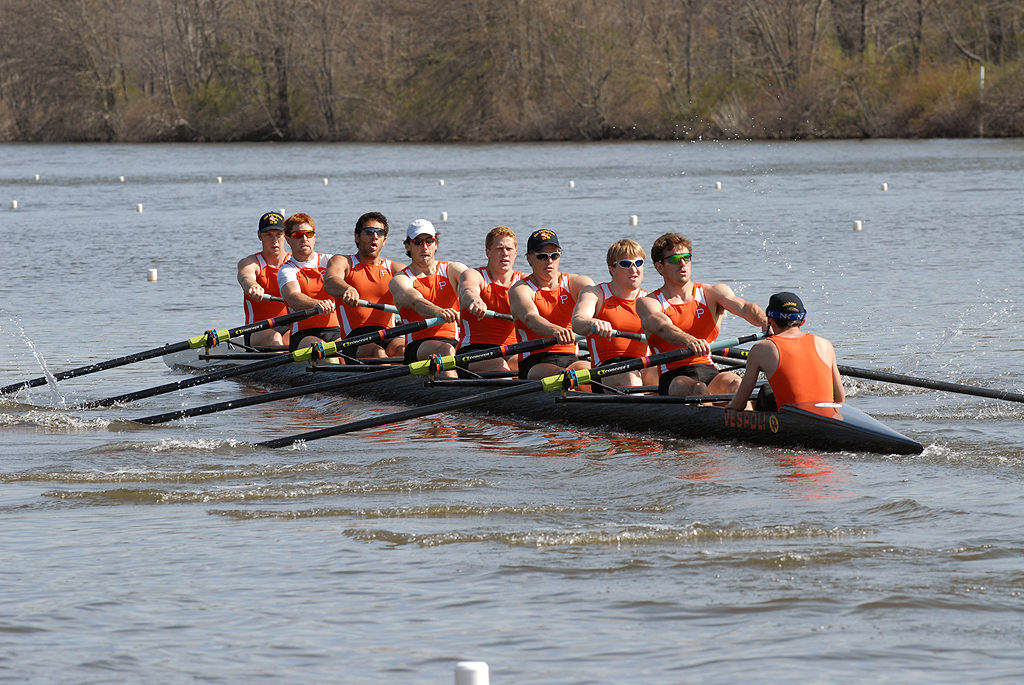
[509, 70]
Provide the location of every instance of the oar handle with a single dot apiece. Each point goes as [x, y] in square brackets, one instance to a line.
[271, 298]
[377, 305]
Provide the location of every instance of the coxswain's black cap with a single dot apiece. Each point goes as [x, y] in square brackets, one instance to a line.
[540, 238]
[271, 221]
[785, 306]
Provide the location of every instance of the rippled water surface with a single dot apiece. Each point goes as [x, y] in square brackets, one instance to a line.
[181, 552]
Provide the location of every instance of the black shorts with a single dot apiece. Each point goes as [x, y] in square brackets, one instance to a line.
[559, 359]
[362, 330]
[594, 387]
[413, 348]
[703, 373]
[327, 334]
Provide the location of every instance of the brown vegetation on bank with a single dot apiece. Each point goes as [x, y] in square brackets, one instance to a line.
[484, 70]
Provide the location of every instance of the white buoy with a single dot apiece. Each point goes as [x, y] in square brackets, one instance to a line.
[281, 212]
[634, 220]
[472, 673]
[121, 179]
[14, 204]
[138, 207]
[444, 216]
[885, 186]
[151, 275]
[220, 180]
[325, 181]
[858, 225]
[37, 177]
[718, 185]
[572, 184]
[440, 181]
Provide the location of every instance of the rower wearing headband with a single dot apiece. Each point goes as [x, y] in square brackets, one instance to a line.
[800, 367]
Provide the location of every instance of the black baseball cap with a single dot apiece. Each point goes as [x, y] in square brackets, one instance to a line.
[271, 221]
[540, 238]
[785, 306]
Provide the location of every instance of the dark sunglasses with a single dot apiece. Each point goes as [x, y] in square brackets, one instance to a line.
[424, 241]
[626, 263]
[676, 258]
[375, 231]
[302, 234]
[545, 256]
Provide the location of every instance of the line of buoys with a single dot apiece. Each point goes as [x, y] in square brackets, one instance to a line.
[472, 673]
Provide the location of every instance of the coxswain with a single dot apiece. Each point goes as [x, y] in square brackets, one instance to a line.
[426, 289]
[365, 276]
[799, 366]
[683, 313]
[257, 274]
[302, 286]
[486, 289]
[608, 307]
[542, 304]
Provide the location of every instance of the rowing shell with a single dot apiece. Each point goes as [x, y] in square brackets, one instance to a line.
[823, 426]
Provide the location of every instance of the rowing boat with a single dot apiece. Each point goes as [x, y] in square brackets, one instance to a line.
[822, 426]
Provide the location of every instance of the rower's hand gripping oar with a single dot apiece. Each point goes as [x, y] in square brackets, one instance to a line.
[433, 366]
[554, 383]
[394, 310]
[900, 379]
[312, 353]
[207, 339]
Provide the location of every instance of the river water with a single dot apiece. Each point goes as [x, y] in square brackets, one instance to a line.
[181, 552]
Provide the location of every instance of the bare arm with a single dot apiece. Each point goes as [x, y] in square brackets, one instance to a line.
[248, 269]
[756, 362]
[520, 300]
[722, 296]
[828, 353]
[583, 316]
[335, 283]
[298, 300]
[656, 322]
[471, 284]
[407, 296]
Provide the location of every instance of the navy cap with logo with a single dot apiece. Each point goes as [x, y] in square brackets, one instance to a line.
[785, 306]
[271, 221]
[540, 238]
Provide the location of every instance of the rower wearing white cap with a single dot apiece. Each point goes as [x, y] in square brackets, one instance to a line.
[425, 289]
[543, 303]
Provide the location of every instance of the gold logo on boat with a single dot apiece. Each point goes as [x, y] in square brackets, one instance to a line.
[773, 423]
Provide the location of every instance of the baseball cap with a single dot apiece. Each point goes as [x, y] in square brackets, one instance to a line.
[271, 221]
[540, 238]
[420, 227]
[785, 306]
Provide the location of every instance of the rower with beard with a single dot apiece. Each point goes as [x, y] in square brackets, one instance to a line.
[542, 304]
[425, 289]
[486, 289]
[608, 307]
[257, 274]
[366, 276]
[301, 279]
[683, 313]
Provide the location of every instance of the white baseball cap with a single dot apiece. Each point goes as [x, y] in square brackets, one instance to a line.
[420, 227]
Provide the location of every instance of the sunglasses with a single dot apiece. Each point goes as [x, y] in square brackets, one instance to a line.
[626, 263]
[676, 258]
[424, 241]
[375, 231]
[302, 234]
[545, 256]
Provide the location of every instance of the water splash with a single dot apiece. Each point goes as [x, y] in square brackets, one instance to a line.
[18, 331]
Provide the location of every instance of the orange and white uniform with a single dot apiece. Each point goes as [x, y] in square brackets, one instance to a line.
[694, 317]
[621, 314]
[371, 281]
[310, 277]
[802, 375]
[436, 288]
[554, 305]
[266, 278]
[490, 331]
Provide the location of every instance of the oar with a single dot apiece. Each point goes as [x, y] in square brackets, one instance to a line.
[625, 334]
[394, 310]
[900, 379]
[415, 369]
[271, 298]
[207, 339]
[550, 383]
[302, 355]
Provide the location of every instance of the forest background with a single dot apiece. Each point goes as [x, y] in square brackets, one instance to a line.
[508, 70]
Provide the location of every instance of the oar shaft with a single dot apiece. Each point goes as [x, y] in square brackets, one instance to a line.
[213, 337]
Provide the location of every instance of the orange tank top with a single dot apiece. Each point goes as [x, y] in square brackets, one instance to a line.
[266, 278]
[694, 317]
[802, 376]
[554, 305]
[310, 277]
[436, 288]
[371, 281]
[621, 314]
[491, 331]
